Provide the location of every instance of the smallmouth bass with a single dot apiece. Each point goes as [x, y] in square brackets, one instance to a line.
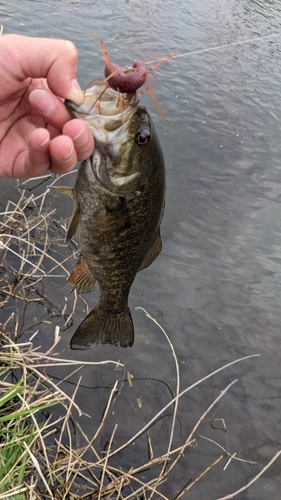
[119, 202]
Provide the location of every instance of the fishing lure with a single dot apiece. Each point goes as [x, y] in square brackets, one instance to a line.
[130, 79]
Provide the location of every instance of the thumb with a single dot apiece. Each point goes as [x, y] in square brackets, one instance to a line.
[55, 60]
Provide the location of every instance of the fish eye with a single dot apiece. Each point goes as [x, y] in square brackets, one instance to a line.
[143, 138]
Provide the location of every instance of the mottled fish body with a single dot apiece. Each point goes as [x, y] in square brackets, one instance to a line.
[119, 202]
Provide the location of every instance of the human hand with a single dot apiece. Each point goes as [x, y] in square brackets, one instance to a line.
[36, 132]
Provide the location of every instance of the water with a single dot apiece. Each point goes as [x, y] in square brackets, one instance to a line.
[216, 286]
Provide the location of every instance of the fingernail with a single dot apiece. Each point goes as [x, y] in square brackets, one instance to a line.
[43, 101]
[68, 156]
[76, 95]
[81, 138]
[44, 142]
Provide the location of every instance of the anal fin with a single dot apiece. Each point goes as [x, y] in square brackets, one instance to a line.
[81, 277]
[154, 251]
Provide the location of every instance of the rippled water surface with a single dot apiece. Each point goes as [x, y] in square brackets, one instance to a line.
[216, 286]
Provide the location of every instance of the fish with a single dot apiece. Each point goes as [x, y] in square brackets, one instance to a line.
[119, 196]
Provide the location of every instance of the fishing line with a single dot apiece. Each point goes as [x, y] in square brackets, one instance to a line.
[257, 39]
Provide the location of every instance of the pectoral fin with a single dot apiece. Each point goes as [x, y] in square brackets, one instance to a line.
[154, 251]
[73, 224]
[68, 191]
[81, 277]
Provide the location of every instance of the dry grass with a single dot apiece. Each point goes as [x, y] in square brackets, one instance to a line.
[33, 253]
[60, 460]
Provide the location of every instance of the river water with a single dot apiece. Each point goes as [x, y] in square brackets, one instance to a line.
[216, 287]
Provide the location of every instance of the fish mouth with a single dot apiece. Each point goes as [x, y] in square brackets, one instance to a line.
[107, 102]
[103, 102]
[108, 114]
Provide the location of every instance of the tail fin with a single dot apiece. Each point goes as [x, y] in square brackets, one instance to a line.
[102, 327]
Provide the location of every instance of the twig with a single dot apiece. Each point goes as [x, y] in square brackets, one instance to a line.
[106, 460]
[16, 491]
[232, 495]
[192, 483]
[233, 457]
[138, 434]
[71, 402]
[229, 460]
[222, 393]
[38, 468]
[177, 388]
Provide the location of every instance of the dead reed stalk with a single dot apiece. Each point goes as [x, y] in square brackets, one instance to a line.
[47, 462]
